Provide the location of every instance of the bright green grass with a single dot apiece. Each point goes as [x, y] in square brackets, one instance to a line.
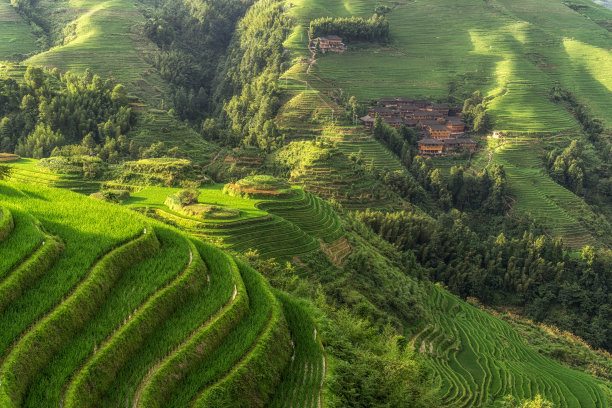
[17, 38]
[479, 359]
[283, 234]
[313, 215]
[237, 343]
[89, 229]
[26, 171]
[24, 239]
[109, 40]
[514, 51]
[303, 377]
[132, 289]
[173, 331]
[213, 194]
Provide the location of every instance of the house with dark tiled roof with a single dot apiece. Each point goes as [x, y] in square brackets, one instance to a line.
[331, 43]
[381, 111]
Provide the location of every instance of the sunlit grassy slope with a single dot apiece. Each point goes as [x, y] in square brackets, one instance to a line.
[107, 37]
[99, 305]
[515, 51]
[16, 35]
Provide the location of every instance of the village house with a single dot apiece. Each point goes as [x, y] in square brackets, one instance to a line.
[331, 43]
[423, 114]
[367, 121]
[388, 102]
[437, 147]
[394, 122]
[438, 131]
[382, 112]
[455, 124]
[431, 147]
[440, 134]
[442, 108]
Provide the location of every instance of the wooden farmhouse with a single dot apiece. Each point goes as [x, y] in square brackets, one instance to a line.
[331, 43]
[441, 133]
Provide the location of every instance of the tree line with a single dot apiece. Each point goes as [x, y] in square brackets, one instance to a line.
[48, 111]
[376, 28]
[193, 37]
[526, 269]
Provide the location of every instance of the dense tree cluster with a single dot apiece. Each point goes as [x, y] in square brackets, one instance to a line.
[528, 270]
[584, 169]
[193, 36]
[462, 190]
[46, 112]
[591, 126]
[475, 113]
[251, 75]
[376, 28]
[567, 167]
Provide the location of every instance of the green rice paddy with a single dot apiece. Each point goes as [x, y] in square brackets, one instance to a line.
[479, 359]
[125, 293]
[513, 51]
[16, 34]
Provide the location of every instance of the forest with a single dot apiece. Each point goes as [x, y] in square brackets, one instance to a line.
[376, 28]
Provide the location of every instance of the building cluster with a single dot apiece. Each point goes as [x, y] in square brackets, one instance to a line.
[440, 133]
[331, 43]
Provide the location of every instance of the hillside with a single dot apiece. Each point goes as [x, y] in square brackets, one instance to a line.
[239, 203]
[512, 51]
[85, 280]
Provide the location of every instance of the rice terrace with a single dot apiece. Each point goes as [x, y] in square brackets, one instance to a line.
[306, 203]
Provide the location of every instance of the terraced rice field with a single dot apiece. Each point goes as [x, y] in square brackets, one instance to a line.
[560, 211]
[310, 113]
[479, 359]
[17, 37]
[278, 228]
[302, 380]
[157, 126]
[107, 37]
[25, 171]
[127, 311]
[513, 51]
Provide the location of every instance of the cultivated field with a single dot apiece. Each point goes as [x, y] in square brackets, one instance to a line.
[103, 307]
[513, 51]
[16, 34]
[106, 37]
[479, 359]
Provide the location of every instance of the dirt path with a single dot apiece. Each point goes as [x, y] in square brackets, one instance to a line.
[214, 159]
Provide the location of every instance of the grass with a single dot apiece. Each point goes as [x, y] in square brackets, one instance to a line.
[16, 34]
[23, 240]
[96, 376]
[302, 379]
[560, 211]
[29, 271]
[479, 359]
[25, 170]
[514, 51]
[106, 37]
[132, 313]
[131, 290]
[250, 338]
[38, 345]
[297, 221]
[162, 378]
